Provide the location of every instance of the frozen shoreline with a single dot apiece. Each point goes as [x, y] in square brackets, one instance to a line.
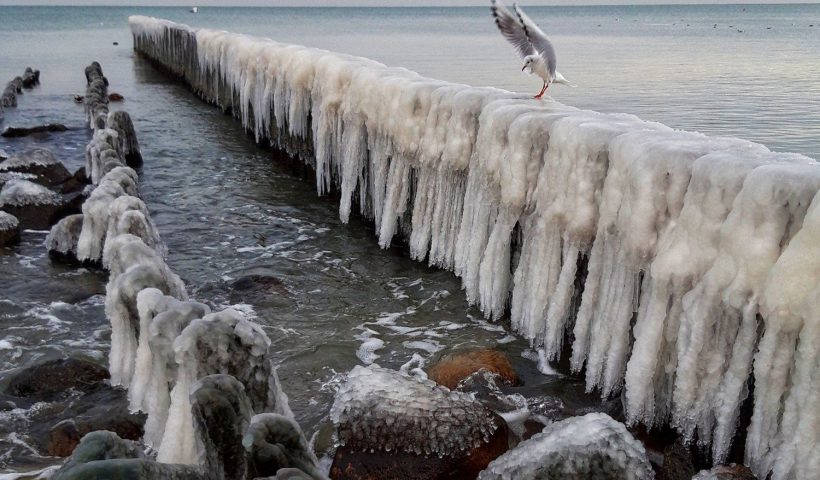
[619, 222]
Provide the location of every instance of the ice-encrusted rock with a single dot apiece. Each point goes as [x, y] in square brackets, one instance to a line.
[383, 410]
[121, 123]
[726, 472]
[103, 154]
[104, 455]
[96, 96]
[592, 447]
[222, 414]
[34, 205]
[21, 193]
[31, 77]
[96, 211]
[134, 266]
[275, 442]
[221, 342]
[162, 318]
[39, 162]
[9, 229]
[129, 215]
[63, 237]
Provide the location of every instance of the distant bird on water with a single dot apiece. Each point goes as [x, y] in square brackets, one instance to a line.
[530, 42]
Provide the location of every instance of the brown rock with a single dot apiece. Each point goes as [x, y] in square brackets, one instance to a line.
[455, 367]
[115, 97]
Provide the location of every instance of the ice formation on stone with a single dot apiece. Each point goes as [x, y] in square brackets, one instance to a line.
[383, 410]
[19, 192]
[592, 447]
[102, 154]
[222, 414]
[601, 228]
[8, 221]
[134, 266]
[161, 319]
[275, 442]
[787, 364]
[221, 342]
[65, 235]
[129, 146]
[96, 211]
[40, 157]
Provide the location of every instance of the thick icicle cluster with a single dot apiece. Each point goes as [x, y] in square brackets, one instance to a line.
[650, 249]
[383, 410]
[592, 447]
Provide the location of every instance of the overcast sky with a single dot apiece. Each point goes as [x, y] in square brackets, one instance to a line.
[392, 3]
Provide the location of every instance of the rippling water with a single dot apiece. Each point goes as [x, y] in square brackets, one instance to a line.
[227, 211]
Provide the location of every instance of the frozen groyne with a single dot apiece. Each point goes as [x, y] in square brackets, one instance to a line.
[670, 266]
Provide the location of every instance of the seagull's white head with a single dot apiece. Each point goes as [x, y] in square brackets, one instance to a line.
[529, 62]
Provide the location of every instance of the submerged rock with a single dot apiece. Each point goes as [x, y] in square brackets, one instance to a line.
[18, 132]
[592, 447]
[9, 229]
[70, 398]
[404, 427]
[52, 379]
[115, 97]
[455, 367]
[40, 163]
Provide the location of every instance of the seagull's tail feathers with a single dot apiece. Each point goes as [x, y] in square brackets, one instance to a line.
[563, 81]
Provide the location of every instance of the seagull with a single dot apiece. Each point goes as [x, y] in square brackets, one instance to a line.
[530, 42]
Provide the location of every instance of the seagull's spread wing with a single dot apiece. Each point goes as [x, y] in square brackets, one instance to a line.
[538, 40]
[512, 29]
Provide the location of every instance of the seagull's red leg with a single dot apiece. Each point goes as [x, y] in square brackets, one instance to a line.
[541, 93]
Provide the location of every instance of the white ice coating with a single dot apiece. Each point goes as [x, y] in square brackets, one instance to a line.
[592, 447]
[133, 267]
[222, 342]
[40, 157]
[383, 410]
[161, 319]
[103, 154]
[8, 221]
[65, 235]
[96, 211]
[19, 192]
[645, 246]
[787, 364]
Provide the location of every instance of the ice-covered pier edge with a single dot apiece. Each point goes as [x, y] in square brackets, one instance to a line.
[677, 266]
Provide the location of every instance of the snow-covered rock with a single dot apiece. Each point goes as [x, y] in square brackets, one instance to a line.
[592, 447]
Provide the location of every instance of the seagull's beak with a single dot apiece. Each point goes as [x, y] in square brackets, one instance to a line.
[522, 68]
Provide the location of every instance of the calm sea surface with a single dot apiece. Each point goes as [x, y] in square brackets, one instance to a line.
[227, 212]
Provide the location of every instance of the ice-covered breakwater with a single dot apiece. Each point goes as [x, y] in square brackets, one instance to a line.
[198, 375]
[673, 266]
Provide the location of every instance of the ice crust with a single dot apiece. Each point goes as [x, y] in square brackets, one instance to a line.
[650, 248]
[19, 193]
[8, 221]
[383, 410]
[592, 447]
